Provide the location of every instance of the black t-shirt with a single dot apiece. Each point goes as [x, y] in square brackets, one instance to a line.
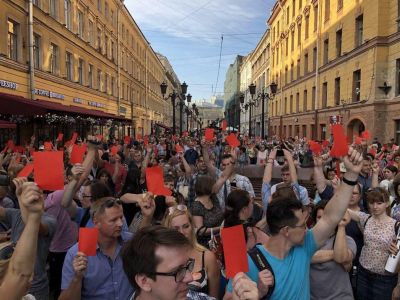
[355, 233]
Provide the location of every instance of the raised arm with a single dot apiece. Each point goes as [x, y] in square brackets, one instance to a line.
[341, 252]
[337, 206]
[269, 166]
[20, 270]
[292, 167]
[70, 190]
[319, 177]
[375, 175]
[204, 150]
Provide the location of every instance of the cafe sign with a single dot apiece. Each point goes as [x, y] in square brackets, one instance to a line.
[8, 85]
[49, 94]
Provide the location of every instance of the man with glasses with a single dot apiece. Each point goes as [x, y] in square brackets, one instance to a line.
[291, 246]
[158, 266]
[99, 276]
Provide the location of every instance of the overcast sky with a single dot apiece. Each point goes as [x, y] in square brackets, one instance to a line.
[189, 33]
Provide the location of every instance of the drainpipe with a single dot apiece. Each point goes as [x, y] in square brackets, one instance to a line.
[146, 83]
[31, 59]
[317, 73]
[118, 64]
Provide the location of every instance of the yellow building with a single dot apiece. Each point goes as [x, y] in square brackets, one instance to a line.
[88, 58]
[335, 60]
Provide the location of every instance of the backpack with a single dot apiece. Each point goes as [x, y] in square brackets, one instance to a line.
[262, 263]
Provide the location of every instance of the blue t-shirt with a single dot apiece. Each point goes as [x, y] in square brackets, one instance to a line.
[292, 274]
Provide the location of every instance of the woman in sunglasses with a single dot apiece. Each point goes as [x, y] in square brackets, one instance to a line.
[379, 230]
[206, 274]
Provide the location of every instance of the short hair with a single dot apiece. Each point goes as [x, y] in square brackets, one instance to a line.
[99, 190]
[138, 254]
[99, 206]
[392, 169]
[280, 213]
[226, 156]
[377, 194]
[285, 168]
[203, 185]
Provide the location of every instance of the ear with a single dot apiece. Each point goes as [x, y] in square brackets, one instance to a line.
[143, 282]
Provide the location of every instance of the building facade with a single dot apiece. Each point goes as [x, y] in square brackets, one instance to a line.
[82, 57]
[335, 61]
[245, 81]
[232, 92]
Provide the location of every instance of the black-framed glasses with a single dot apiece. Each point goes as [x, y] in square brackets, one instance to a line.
[180, 273]
[6, 252]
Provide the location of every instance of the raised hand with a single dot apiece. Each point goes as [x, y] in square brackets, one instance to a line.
[353, 162]
[18, 182]
[80, 264]
[265, 281]
[31, 198]
[77, 170]
[244, 288]
[147, 206]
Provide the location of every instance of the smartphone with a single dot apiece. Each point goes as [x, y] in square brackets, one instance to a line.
[233, 183]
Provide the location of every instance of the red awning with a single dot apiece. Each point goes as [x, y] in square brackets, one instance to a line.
[17, 105]
[163, 126]
[7, 125]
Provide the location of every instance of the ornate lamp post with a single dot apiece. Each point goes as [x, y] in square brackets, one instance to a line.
[182, 97]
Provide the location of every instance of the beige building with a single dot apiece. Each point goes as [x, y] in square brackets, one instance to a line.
[88, 58]
[335, 60]
[245, 81]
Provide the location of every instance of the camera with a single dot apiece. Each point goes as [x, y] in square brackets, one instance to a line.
[4, 180]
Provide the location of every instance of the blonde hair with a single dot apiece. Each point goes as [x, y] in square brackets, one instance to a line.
[192, 238]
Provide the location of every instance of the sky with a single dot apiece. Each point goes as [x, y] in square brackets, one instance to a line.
[189, 33]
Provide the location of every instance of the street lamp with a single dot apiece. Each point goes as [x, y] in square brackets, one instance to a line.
[181, 103]
[260, 98]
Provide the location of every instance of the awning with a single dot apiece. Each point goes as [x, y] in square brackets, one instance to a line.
[17, 105]
[7, 125]
[162, 126]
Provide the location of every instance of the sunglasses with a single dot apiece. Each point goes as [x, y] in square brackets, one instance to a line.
[180, 207]
[6, 252]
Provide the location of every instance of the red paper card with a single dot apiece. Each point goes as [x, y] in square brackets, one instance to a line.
[10, 145]
[77, 154]
[358, 140]
[224, 125]
[127, 140]
[60, 137]
[340, 147]
[232, 140]
[179, 148]
[235, 252]
[88, 240]
[146, 140]
[185, 134]
[48, 146]
[155, 181]
[19, 149]
[26, 171]
[49, 170]
[99, 137]
[315, 147]
[138, 137]
[365, 135]
[114, 150]
[18, 158]
[325, 143]
[209, 134]
[74, 137]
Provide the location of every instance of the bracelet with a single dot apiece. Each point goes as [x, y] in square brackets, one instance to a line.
[349, 182]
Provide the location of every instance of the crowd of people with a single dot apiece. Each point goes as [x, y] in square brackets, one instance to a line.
[326, 237]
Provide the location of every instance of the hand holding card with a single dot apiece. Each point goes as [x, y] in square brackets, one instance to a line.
[235, 252]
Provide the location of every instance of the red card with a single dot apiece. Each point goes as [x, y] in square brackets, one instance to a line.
[19, 149]
[99, 137]
[146, 140]
[18, 158]
[155, 181]
[60, 137]
[138, 137]
[315, 147]
[179, 148]
[74, 137]
[88, 240]
[325, 143]
[232, 140]
[26, 171]
[358, 140]
[127, 140]
[365, 135]
[372, 151]
[340, 147]
[48, 146]
[209, 134]
[224, 125]
[235, 252]
[10, 145]
[77, 154]
[49, 170]
[114, 150]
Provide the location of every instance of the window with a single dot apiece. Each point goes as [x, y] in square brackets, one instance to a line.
[106, 83]
[113, 86]
[300, 4]
[90, 76]
[285, 106]
[106, 45]
[106, 10]
[305, 100]
[53, 8]
[326, 51]
[315, 18]
[397, 131]
[327, 9]
[313, 98]
[36, 51]
[36, 2]
[286, 75]
[298, 69]
[297, 102]
[80, 23]
[359, 30]
[315, 58]
[91, 32]
[287, 15]
[299, 35]
[291, 104]
[99, 5]
[339, 43]
[339, 4]
[68, 66]
[12, 41]
[112, 17]
[337, 91]
[291, 72]
[294, 8]
[356, 85]
[54, 58]
[287, 45]
[398, 15]
[99, 85]
[123, 91]
[80, 71]
[305, 63]
[307, 27]
[324, 94]
[112, 50]
[99, 39]
[292, 41]
[397, 77]
[67, 14]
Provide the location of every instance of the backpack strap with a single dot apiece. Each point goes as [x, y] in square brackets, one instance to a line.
[396, 227]
[262, 263]
[366, 221]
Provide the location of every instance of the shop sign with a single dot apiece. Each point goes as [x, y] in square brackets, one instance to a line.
[122, 110]
[8, 85]
[49, 94]
[78, 100]
[96, 104]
